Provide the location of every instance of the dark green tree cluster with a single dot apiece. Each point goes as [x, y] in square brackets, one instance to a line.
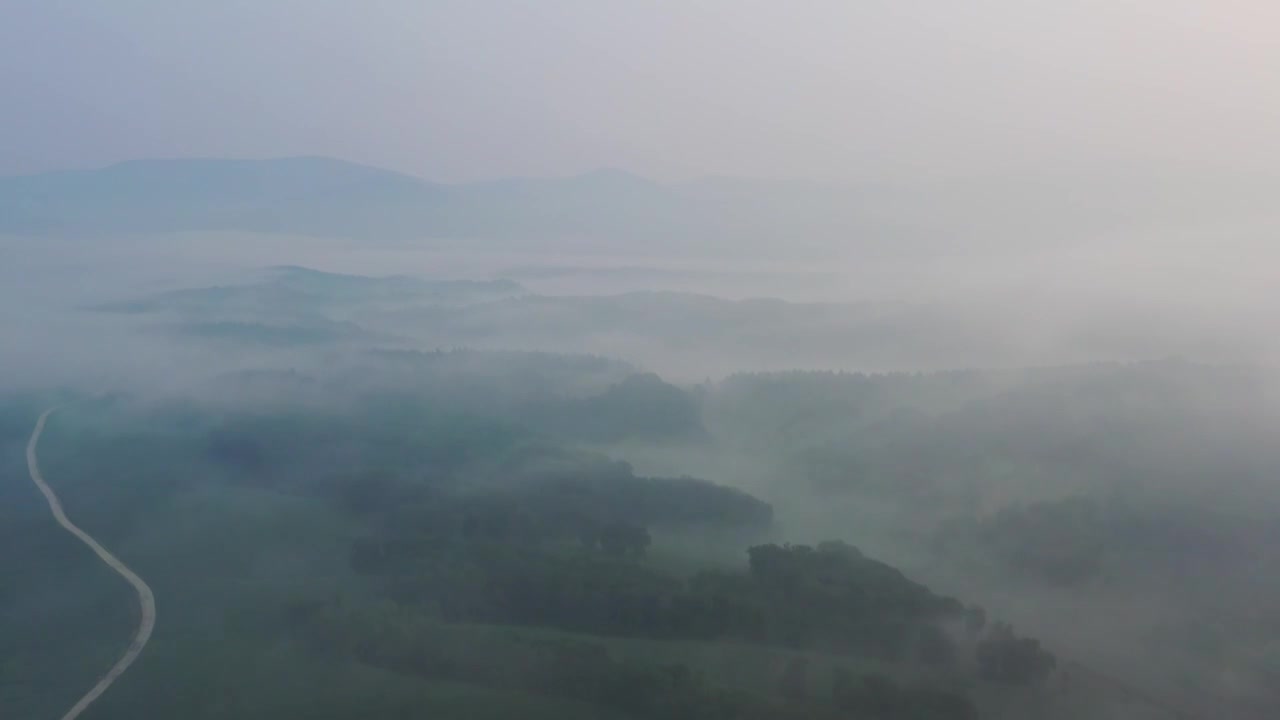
[830, 597]
[835, 596]
[640, 407]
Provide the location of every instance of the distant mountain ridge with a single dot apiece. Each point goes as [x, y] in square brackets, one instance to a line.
[166, 195]
[320, 196]
[608, 209]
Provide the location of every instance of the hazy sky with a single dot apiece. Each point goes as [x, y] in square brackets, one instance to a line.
[456, 90]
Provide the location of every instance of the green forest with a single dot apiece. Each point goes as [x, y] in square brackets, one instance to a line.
[331, 553]
[489, 540]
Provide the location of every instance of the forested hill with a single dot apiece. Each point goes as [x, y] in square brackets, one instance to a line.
[382, 550]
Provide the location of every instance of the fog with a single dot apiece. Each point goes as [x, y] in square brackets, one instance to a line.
[936, 312]
[457, 91]
[700, 360]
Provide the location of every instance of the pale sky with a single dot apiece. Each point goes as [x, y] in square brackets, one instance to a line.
[459, 90]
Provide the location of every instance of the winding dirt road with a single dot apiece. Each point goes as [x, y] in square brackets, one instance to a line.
[146, 599]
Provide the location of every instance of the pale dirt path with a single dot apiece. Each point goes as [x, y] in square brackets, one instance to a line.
[146, 599]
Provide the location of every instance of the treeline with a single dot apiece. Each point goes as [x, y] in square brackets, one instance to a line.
[402, 457]
[823, 603]
[640, 407]
[565, 397]
[830, 598]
